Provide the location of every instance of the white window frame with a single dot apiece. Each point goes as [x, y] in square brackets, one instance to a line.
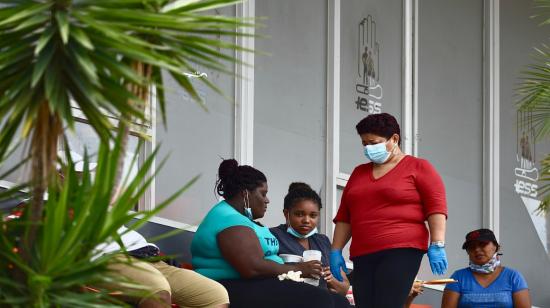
[244, 90]
[491, 115]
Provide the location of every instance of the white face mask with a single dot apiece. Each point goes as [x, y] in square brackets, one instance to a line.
[377, 153]
[488, 267]
[295, 233]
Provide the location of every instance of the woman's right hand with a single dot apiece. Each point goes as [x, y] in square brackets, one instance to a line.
[310, 269]
[337, 264]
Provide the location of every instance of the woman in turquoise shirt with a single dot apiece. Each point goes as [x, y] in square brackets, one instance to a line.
[229, 246]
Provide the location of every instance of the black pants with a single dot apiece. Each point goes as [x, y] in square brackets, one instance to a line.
[384, 278]
[272, 293]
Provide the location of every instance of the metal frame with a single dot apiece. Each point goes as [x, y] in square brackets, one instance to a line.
[491, 115]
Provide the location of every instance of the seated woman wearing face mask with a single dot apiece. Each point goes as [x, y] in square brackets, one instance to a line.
[485, 283]
[302, 206]
[241, 254]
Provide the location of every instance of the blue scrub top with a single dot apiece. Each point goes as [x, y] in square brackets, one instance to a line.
[288, 244]
[497, 294]
[207, 258]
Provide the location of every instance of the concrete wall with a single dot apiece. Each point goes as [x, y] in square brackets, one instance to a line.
[450, 94]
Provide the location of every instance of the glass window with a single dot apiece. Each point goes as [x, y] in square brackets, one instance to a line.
[371, 38]
[290, 98]
[194, 141]
[85, 140]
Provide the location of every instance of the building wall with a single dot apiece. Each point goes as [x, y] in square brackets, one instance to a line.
[450, 112]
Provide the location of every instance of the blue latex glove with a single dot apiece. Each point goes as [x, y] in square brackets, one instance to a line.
[438, 259]
[337, 262]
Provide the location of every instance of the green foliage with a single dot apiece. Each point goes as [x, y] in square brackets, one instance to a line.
[83, 52]
[78, 216]
[102, 57]
[535, 100]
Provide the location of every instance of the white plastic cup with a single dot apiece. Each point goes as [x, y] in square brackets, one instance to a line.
[310, 255]
[287, 258]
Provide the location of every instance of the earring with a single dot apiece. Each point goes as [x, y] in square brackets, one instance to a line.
[246, 201]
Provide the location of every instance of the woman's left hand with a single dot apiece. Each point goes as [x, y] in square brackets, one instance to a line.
[438, 259]
[333, 284]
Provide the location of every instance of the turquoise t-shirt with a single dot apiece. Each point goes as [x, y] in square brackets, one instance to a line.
[497, 294]
[207, 258]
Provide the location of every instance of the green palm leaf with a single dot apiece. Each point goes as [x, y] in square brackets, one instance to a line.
[84, 50]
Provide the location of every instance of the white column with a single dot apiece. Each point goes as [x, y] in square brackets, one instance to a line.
[491, 110]
[244, 91]
[333, 113]
[407, 132]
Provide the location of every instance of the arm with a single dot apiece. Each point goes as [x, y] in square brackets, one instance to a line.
[239, 245]
[437, 225]
[450, 299]
[432, 193]
[340, 287]
[413, 293]
[342, 234]
[522, 299]
[436, 254]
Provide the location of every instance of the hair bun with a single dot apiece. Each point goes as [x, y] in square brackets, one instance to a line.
[227, 168]
[298, 186]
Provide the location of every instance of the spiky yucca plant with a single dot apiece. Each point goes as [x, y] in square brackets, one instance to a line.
[79, 214]
[101, 56]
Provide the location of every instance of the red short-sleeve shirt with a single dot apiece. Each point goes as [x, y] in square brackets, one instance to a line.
[390, 212]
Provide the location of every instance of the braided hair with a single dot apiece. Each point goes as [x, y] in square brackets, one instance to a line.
[233, 178]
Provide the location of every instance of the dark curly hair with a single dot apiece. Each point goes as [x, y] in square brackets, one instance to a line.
[297, 192]
[233, 178]
[382, 124]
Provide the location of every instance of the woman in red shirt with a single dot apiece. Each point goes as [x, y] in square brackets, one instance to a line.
[384, 208]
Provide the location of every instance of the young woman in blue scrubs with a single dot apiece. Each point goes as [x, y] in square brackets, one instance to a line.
[302, 210]
[232, 248]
